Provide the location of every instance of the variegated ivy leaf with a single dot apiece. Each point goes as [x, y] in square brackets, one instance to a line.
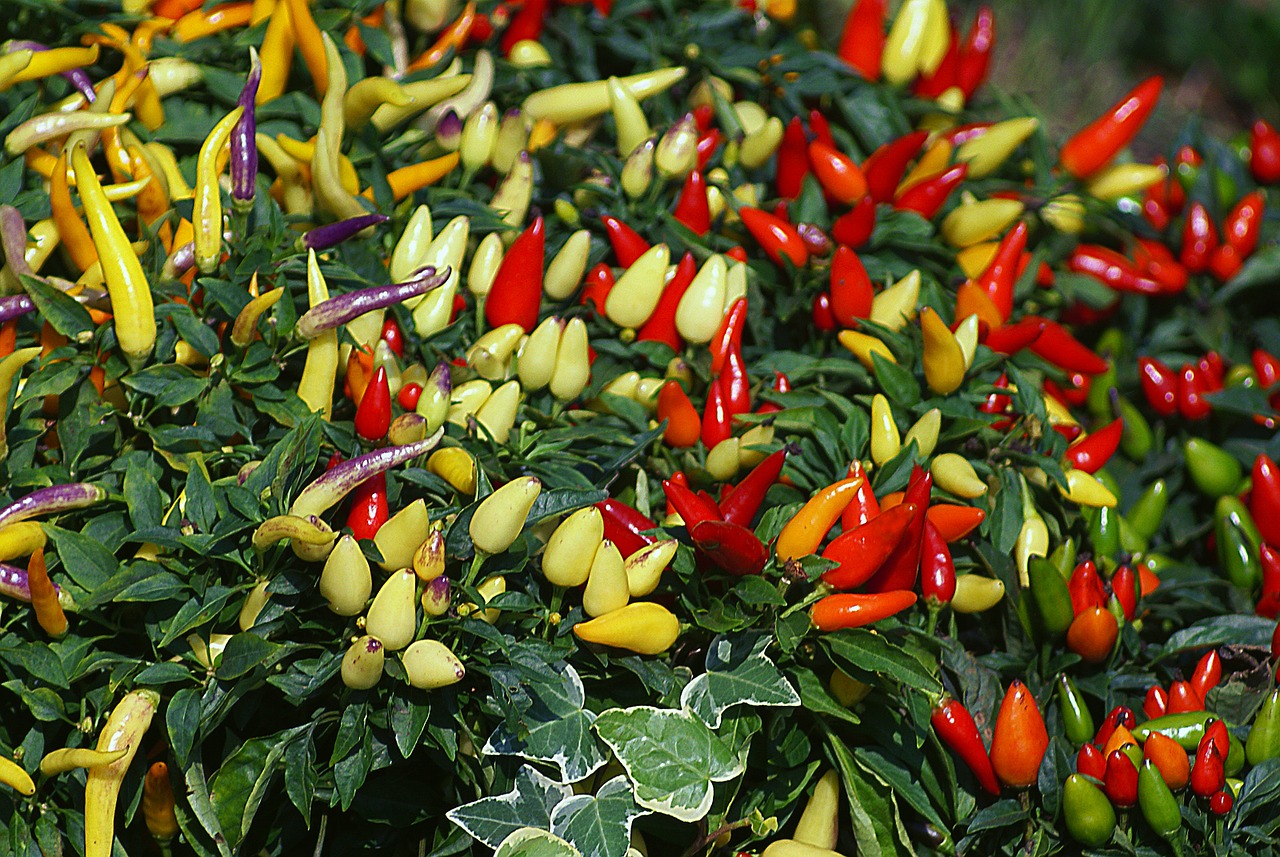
[529, 803]
[738, 673]
[598, 825]
[532, 842]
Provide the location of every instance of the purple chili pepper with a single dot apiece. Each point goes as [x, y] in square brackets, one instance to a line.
[77, 76]
[244, 148]
[13, 239]
[328, 314]
[180, 260]
[14, 583]
[332, 234]
[52, 501]
[13, 306]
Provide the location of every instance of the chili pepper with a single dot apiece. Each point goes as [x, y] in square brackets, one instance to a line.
[1199, 239]
[1052, 598]
[526, 24]
[802, 535]
[1120, 784]
[1240, 231]
[1112, 269]
[1019, 741]
[943, 78]
[863, 36]
[956, 729]
[1183, 698]
[976, 594]
[851, 290]
[636, 294]
[837, 173]
[1220, 802]
[1207, 674]
[607, 588]
[1092, 147]
[369, 509]
[854, 610]
[716, 417]
[998, 279]
[501, 516]
[1063, 350]
[1169, 758]
[885, 166]
[644, 627]
[1088, 814]
[1090, 762]
[927, 197]
[599, 283]
[1076, 719]
[691, 507]
[1268, 603]
[1159, 807]
[1094, 450]
[131, 302]
[244, 149]
[627, 244]
[744, 501]
[1264, 737]
[1191, 392]
[732, 547]
[862, 550]
[363, 663]
[1213, 470]
[692, 208]
[776, 237]
[1156, 702]
[1186, 728]
[207, 214]
[728, 336]
[954, 522]
[71, 229]
[900, 569]
[1264, 498]
[1012, 338]
[1207, 774]
[1266, 366]
[885, 440]
[954, 474]
[684, 426]
[975, 55]
[735, 384]
[1264, 153]
[1118, 717]
[793, 160]
[516, 293]
[1092, 634]
[1124, 583]
[44, 597]
[944, 363]
[124, 729]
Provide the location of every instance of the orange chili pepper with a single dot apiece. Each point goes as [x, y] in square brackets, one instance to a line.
[44, 597]
[71, 229]
[955, 522]
[806, 529]
[310, 43]
[158, 803]
[855, 609]
[201, 23]
[415, 177]
[452, 38]
[8, 337]
[684, 426]
[1020, 740]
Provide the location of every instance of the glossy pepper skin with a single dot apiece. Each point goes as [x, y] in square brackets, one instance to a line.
[1159, 807]
[1092, 147]
[1120, 783]
[956, 729]
[1020, 739]
[742, 503]
[899, 571]
[1052, 599]
[732, 547]
[516, 293]
[1076, 719]
[937, 569]
[1089, 816]
[854, 610]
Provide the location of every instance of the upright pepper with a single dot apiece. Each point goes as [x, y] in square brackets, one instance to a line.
[1020, 740]
[516, 294]
[1093, 147]
[863, 37]
[1088, 814]
[900, 569]
[742, 503]
[792, 163]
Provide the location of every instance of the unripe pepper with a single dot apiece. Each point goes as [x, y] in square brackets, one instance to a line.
[567, 559]
[976, 594]
[1076, 719]
[1264, 737]
[430, 664]
[1213, 470]
[953, 473]
[819, 823]
[956, 729]
[363, 663]
[1020, 740]
[500, 517]
[1052, 598]
[1088, 814]
[1186, 728]
[1159, 807]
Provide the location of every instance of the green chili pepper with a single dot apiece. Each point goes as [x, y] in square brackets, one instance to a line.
[1230, 507]
[1053, 600]
[1076, 719]
[1213, 470]
[1264, 738]
[1238, 556]
[1159, 807]
[1147, 512]
[1234, 763]
[1064, 557]
[1104, 533]
[1131, 541]
[1186, 728]
[1137, 440]
[1089, 816]
[1098, 399]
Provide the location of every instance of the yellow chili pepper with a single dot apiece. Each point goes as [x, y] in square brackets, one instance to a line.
[954, 473]
[635, 295]
[644, 567]
[967, 335]
[607, 589]
[321, 368]
[398, 539]
[277, 54]
[55, 61]
[207, 213]
[900, 60]
[933, 162]
[565, 271]
[979, 221]
[1085, 489]
[944, 363]
[498, 412]
[637, 170]
[13, 775]
[368, 94]
[392, 615]
[632, 126]
[925, 432]
[896, 305]
[346, 580]
[153, 201]
[124, 729]
[42, 238]
[863, 346]
[536, 360]
[22, 538]
[885, 440]
[455, 466]
[976, 594]
[499, 518]
[513, 196]
[202, 22]
[11, 65]
[164, 157]
[1120, 180]
[479, 134]
[987, 153]
[759, 146]
[702, 306]
[131, 302]
[484, 264]
[50, 126]
[430, 664]
[571, 550]
[801, 535]
[513, 137]
[70, 758]
[365, 659]
[644, 627]
[575, 102]
[421, 95]
[1033, 538]
[406, 181]
[410, 251]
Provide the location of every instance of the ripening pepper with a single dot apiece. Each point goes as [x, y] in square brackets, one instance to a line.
[1019, 741]
[801, 535]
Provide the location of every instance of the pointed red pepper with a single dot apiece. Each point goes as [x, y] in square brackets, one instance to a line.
[1063, 350]
[946, 75]
[691, 507]
[862, 40]
[1012, 338]
[781, 384]
[717, 422]
[527, 24]
[975, 56]
[1093, 451]
[1192, 389]
[1157, 261]
[373, 415]
[1093, 147]
[1199, 239]
[792, 160]
[742, 503]
[937, 570]
[823, 318]
[729, 336]
[692, 208]
[862, 550]
[1264, 498]
[599, 282]
[624, 526]
[1267, 367]
[1120, 783]
[684, 426]
[1089, 761]
[1121, 715]
[864, 506]
[885, 166]
[732, 547]
[661, 326]
[1240, 231]
[1085, 586]
[393, 336]
[707, 145]
[1264, 153]
[735, 384]
[854, 227]
[776, 237]
[1207, 674]
[1269, 596]
[1208, 774]
[1112, 269]
[1124, 583]
[369, 509]
[1183, 698]
[926, 198]
[837, 173]
[820, 128]
[901, 568]
[1156, 702]
[1001, 275]
[627, 243]
[851, 290]
[1159, 386]
[516, 294]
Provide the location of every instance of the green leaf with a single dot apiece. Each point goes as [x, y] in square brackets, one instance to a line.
[873, 808]
[897, 382]
[598, 825]
[530, 802]
[1239, 630]
[58, 308]
[859, 651]
[240, 785]
[672, 758]
[182, 720]
[244, 652]
[738, 673]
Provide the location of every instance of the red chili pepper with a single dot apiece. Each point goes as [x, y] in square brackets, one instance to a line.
[516, 294]
[1092, 147]
[944, 77]
[1020, 740]
[854, 227]
[837, 173]
[729, 335]
[1264, 498]
[742, 503]
[369, 510]
[1208, 774]
[393, 336]
[1121, 715]
[735, 384]
[1213, 369]
[1183, 698]
[661, 326]
[1075, 393]
[1240, 231]
[792, 160]
[1264, 153]
[1095, 449]
[864, 506]
[1085, 586]
[863, 550]
[956, 729]
[599, 283]
[1156, 702]
[775, 236]
[900, 569]
[1012, 338]
[1121, 780]
[624, 526]
[1221, 801]
[863, 37]
[373, 415]
[1159, 263]
[691, 507]
[684, 426]
[937, 570]
[780, 385]
[823, 317]
[1207, 674]
[926, 198]
[1124, 583]
[1001, 275]
[1156, 207]
[717, 422]
[854, 610]
[707, 145]
[703, 116]
[692, 208]
[975, 56]
[851, 289]
[1267, 367]
[997, 403]
[732, 547]
[1159, 386]
[527, 24]
[1192, 389]
[820, 128]
[1089, 761]
[627, 243]
[1269, 597]
[1112, 269]
[409, 395]
[885, 166]
[1063, 350]
[1199, 239]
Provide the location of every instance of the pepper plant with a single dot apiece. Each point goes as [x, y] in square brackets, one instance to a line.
[622, 427]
